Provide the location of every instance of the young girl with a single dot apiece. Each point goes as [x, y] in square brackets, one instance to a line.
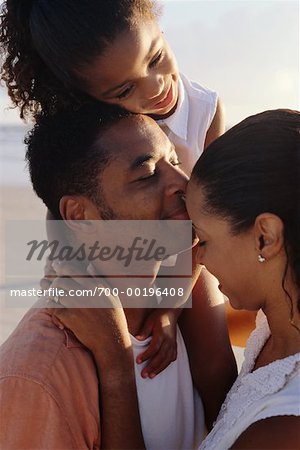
[65, 53]
[59, 53]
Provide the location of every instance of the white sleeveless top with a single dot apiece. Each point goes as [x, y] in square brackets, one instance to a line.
[188, 125]
[272, 390]
[171, 410]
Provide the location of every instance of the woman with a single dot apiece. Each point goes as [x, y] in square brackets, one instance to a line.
[247, 219]
[243, 199]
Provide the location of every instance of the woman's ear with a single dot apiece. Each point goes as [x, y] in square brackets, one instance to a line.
[269, 235]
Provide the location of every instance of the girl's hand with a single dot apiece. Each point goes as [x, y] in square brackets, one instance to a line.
[161, 324]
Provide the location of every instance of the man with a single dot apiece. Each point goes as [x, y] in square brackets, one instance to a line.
[94, 165]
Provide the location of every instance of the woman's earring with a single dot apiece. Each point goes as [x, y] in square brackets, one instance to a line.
[261, 258]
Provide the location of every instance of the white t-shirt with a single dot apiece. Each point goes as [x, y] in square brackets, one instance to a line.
[272, 390]
[171, 410]
[188, 125]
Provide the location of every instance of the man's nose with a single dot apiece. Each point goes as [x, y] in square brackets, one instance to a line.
[177, 181]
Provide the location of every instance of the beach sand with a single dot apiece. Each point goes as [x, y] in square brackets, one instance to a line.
[16, 203]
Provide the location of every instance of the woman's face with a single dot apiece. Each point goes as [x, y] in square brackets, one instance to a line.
[138, 72]
[232, 259]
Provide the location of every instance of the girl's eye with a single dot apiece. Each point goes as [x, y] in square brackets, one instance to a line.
[201, 243]
[156, 60]
[125, 93]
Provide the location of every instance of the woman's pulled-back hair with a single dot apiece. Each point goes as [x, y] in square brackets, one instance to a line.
[255, 168]
[45, 43]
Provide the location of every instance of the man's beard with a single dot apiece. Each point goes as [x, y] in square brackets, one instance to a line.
[105, 211]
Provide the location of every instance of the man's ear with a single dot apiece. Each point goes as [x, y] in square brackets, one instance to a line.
[269, 235]
[77, 207]
[80, 215]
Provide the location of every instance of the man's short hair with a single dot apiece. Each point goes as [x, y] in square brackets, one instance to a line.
[65, 155]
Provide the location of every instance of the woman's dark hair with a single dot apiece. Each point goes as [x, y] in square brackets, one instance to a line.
[255, 168]
[45, 43]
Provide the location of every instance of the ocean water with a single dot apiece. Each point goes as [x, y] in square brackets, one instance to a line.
[13, 171]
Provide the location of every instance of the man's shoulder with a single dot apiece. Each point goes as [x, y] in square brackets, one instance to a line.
[39, 350]
[49, 386]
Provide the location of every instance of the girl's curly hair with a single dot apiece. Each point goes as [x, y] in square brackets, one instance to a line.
[45, 43]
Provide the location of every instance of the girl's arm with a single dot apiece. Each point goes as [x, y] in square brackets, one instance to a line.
[217, 127]
[162, 322]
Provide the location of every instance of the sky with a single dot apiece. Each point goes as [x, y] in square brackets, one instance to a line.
[246, 50]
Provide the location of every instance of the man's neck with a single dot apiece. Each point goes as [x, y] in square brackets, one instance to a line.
[127, 288]
[135, 318]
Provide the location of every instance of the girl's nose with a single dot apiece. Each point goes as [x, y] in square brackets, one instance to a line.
[154, 86]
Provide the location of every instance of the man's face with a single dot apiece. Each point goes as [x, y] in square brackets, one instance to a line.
[142, 180]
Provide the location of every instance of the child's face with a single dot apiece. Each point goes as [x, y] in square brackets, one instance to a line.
[138, 72]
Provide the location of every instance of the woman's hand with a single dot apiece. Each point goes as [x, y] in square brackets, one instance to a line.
[98, 321]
